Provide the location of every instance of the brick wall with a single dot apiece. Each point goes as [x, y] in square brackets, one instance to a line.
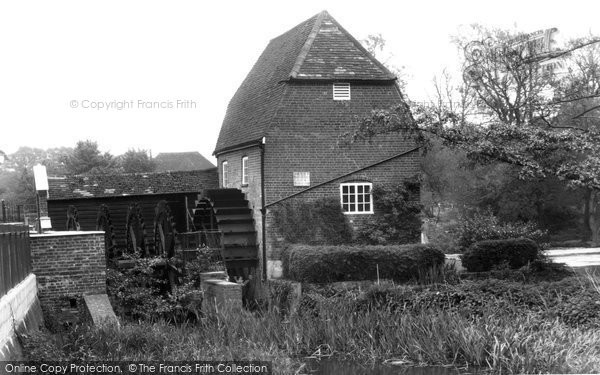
[68, 265]
[306, 135]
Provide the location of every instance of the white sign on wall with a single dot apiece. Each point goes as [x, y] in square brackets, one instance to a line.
[40, 176]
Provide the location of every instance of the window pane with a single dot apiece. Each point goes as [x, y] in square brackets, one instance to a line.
[367, 189]
[367, 207]
[344, 199]
[361, 207]
[360, 198]
[351, 189]
[345, 189]
[360, 189]
[352, 198]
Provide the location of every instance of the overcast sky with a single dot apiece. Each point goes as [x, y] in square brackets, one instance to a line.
[62, 60]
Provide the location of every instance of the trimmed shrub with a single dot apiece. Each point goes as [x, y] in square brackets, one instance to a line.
[483, 225]
[512, 253]
[325, 264]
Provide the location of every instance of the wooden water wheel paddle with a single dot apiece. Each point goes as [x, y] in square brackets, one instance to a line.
[164, 230]
[135, 230]
[104, 223]
[72, 218]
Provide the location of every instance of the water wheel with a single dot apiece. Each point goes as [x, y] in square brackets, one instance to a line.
[72, 218]
[135, 230]
[104, 223]
[164, 230]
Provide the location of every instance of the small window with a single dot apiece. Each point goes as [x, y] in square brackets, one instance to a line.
[356, 198]
[341, 91]
[301, 178]
[224, 173]
[245, 170]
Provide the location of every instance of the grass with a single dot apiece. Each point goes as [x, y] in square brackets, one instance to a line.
[514, 340]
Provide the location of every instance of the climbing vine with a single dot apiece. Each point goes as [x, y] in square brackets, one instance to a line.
[397, 218]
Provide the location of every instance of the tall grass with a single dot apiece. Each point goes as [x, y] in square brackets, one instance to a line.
[518, 344]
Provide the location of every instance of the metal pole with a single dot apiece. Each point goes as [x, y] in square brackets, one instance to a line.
[3, 211]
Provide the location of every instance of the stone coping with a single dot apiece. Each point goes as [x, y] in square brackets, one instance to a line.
[66, 233]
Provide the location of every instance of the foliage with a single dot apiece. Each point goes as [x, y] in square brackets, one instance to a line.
[496, 325]
[521, 112]
[397, 216]
[319, 221]
[483, 225]
[87, 158]
[134, 161]
[142, 292]
[510, 253]
[321, 264]
[281, 295]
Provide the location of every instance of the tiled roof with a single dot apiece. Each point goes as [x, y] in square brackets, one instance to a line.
[114, 185]
[317, 49]
[181, 161]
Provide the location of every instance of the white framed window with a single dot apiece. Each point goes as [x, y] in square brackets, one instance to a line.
[356, 197]
[224, 173]
[301, 178]
[341, 91]
[245, 170]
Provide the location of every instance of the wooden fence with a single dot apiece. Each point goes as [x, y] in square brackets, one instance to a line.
[15, 255]
[17, 213]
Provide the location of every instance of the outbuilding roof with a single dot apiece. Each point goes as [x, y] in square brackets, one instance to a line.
[181, 161]
[126, 184]
[318, 49]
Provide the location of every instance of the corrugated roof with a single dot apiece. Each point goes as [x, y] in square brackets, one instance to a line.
[181, 161]
[114, 185]
[317, 49]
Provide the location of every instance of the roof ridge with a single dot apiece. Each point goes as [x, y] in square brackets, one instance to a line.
[308, 44]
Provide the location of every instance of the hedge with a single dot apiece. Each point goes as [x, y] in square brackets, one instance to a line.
[486, 255]
[325, 264]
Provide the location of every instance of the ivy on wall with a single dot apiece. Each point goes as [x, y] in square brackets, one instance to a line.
[314, 222]
[397, 218]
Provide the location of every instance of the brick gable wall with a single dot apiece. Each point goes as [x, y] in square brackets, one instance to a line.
[305, 136]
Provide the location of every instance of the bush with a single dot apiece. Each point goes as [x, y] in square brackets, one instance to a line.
[483, 225]
[397, 216]
[511, 253]
[324, 264]
[319, 221]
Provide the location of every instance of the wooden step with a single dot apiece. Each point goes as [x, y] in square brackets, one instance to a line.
[236, 252]
[230, 203]
[226, 211]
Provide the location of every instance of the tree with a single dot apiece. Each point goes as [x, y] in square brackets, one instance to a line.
[87, 158]
[137, 161]
[543, 123]
[375, 44]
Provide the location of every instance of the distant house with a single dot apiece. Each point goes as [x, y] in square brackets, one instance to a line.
[181, 161]
[280, 136]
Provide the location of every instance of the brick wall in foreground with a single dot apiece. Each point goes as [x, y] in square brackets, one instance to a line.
[68, 265]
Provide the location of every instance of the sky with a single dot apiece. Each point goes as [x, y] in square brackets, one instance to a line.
[158, 75]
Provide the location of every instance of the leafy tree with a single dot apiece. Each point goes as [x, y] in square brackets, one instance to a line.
[137, 161]
[87, 158]
[543, 123]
